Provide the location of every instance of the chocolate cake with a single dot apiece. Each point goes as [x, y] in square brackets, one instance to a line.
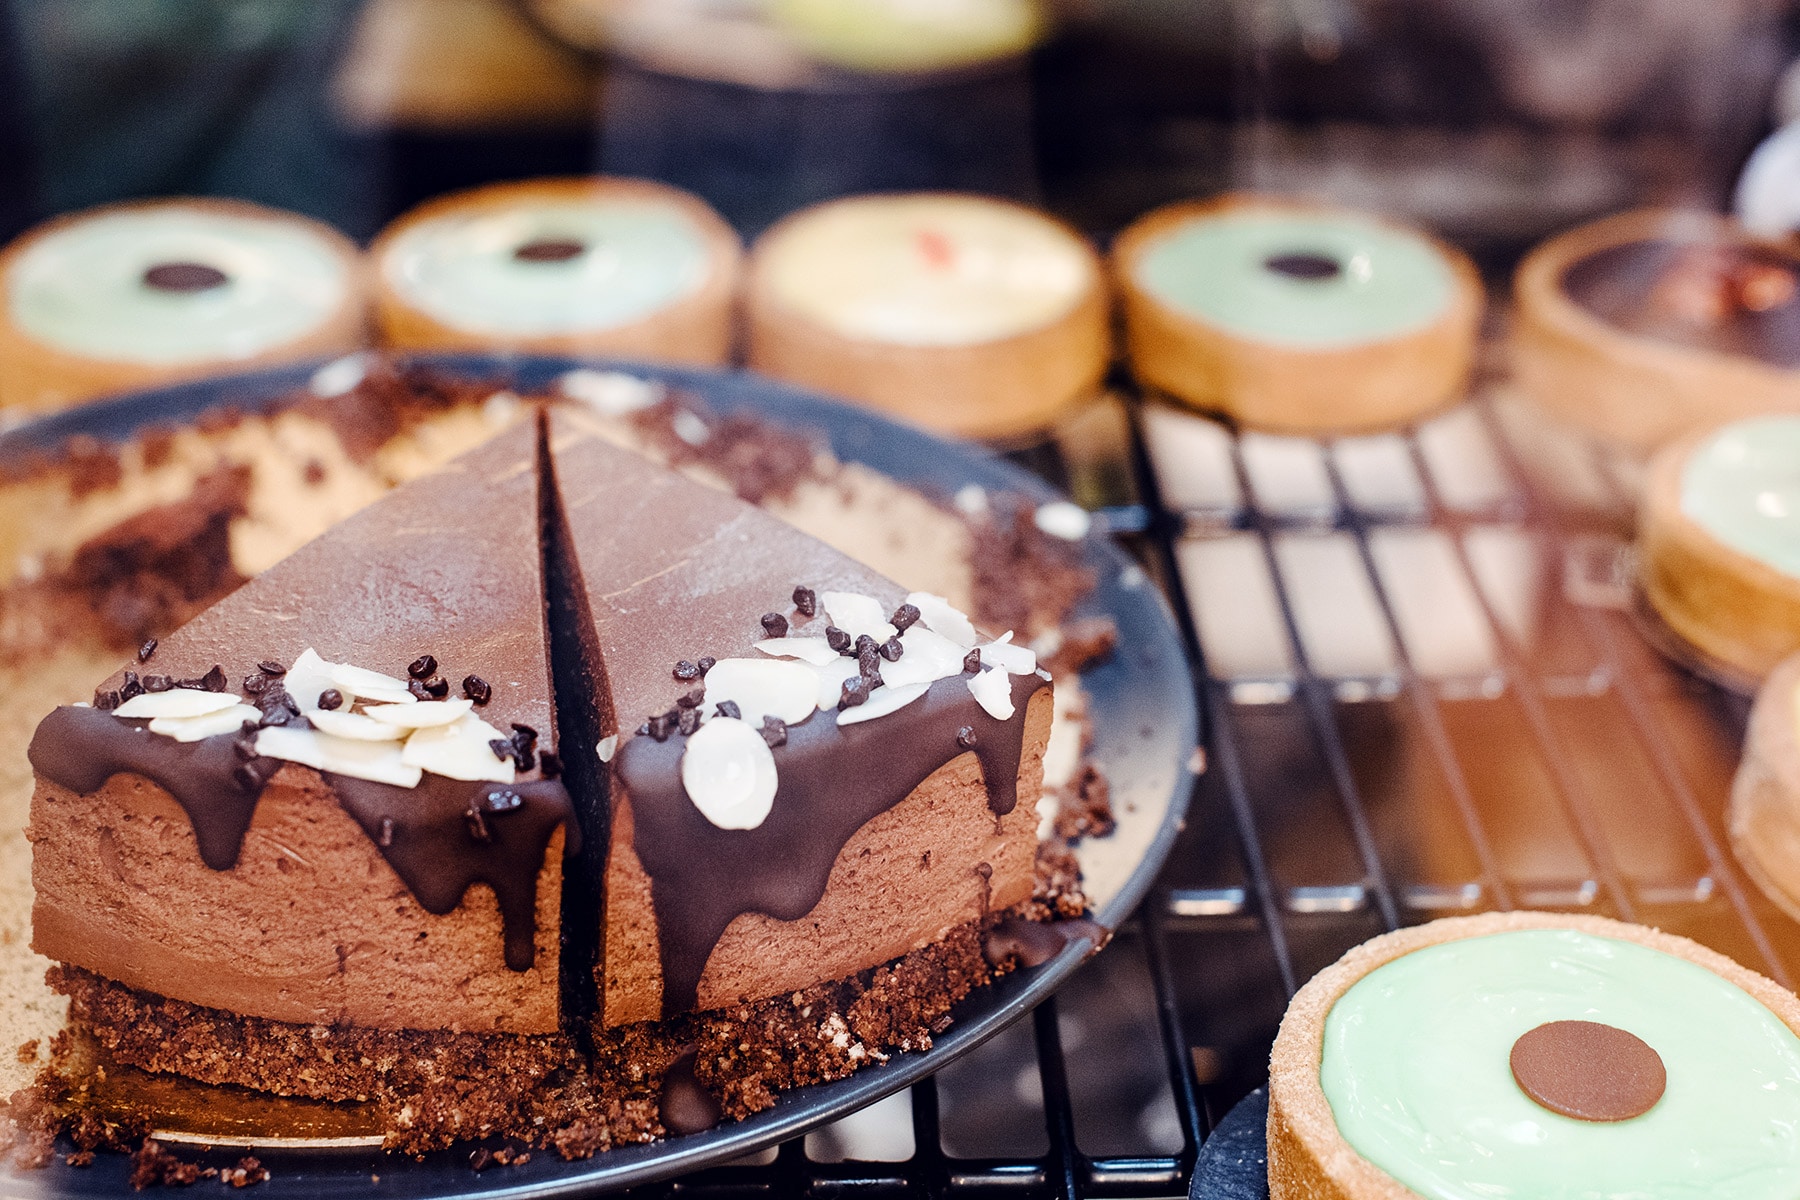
[277, 904]
[707, 627]
[283, 810]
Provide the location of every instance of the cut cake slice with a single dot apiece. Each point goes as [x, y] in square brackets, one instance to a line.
[379, 864]
[807, 804]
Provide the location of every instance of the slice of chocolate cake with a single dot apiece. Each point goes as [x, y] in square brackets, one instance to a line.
[330, 799]
[800, 770]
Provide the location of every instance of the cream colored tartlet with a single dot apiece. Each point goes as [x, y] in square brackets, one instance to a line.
[592, 265]
[967, 315]
[150, 292]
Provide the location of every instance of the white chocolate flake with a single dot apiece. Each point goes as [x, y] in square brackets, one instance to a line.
[177, 703]
[212, 724]
[831, 677]
[459, 751]
[1004, 656]
[365, 682]
[857, 614]
[928, 656]
[607, 747]
[881, 702]
[309, 676]
[993, 691]
[814, 650]
[354, 726]
[940, 616]
[728, 773]
[423, 714]
[379, 762]
[764, 687]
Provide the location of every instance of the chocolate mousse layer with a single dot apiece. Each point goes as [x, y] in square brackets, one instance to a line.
[883, 835]
[1739, 298]
[210, 872]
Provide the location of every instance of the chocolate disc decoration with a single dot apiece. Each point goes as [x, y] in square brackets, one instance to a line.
[1589, 1071]
[550, 250]
[184, 277]
[1304, 265]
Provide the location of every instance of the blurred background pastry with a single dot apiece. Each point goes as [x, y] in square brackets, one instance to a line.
[137, 294]
[1296, 317]
[1720, 543]
[971, 316]
[590, 265]
[1764, 817]
[1651, 324]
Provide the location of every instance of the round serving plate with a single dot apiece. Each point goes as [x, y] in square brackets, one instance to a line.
[1144, 724]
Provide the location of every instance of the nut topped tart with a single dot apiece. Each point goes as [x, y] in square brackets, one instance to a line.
[284, 809]
[1650, 325]
[1535, 1054]
[812, 771]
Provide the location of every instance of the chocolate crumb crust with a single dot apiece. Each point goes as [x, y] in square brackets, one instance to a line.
[436, 1089]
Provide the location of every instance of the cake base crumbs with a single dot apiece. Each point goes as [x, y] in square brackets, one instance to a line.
[530, 1093]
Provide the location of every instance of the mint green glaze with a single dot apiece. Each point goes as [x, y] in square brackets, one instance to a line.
[80, 288]
[641, 257]
[1742, 485]
[1416, 1067]
[1392, 282]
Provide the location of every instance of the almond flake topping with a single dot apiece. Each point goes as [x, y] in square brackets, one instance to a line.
[814, 650]
[728, 772]
[993, 691]
[857, 614]
[212, 724]
[940, 616]
[764, 687]
[176, 702]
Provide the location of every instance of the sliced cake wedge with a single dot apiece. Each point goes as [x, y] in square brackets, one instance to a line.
[801, 770]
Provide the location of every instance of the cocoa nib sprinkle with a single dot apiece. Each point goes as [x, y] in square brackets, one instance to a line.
[774, 624]
[855, 692]
[692, 698]
[706, 664]
[972, 663]
[130, 686]
[549, 764]
[422, 667]
[729, 708]
[269, 666]
[892, 649]
[806, 601]
[331, 699]
[838, 640]
[905, 617]
[774, 731]
[158, 683]
[146, 650]
[965, 737]
[689, 722]
[477, 689]
[685, 670]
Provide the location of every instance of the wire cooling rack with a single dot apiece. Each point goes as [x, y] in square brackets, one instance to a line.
[1426, 694]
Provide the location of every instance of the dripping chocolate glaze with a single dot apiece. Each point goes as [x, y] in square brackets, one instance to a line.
[81, 748]
[833, 780]
[434, 848]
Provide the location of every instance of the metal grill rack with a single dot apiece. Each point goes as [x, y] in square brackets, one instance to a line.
[1426, 694]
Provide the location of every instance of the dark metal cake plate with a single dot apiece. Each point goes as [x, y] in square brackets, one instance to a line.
[1144, 723]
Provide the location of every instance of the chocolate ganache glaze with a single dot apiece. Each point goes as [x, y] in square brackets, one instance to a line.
[1724, 297]
[426, 833]
[833, 780]
[445, 571]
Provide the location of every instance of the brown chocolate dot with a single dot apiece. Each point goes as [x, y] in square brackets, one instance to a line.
[685, 670]
[806, 601]
[477, 689]
[146, 650]
[837, 639]
[550, 250]
[774, 624]
[1588, 1071]
[160, 683]
[184, 277]
[905, 617]
[422, 667]
[1304, 265]
[729, 708]
[774, 731]
[706, 664]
